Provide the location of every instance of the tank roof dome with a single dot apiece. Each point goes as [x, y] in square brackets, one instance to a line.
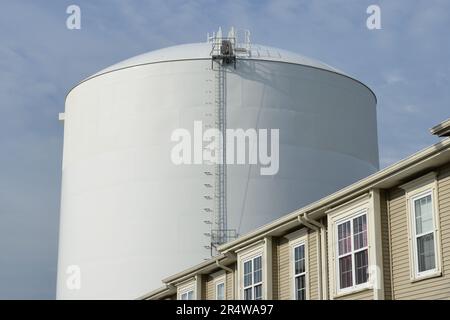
[194, 51]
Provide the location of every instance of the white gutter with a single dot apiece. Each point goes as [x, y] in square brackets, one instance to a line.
[159, 293]
[223, 267]
[323, 248]
[318, 227]
[229, 270]
[192, 272]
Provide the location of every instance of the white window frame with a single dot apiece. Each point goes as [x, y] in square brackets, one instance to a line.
[414, 190]
[193, 284]
[296, 239]
[304, 273]
[185, 290]
[340, 214]
[254, 284]
[352, 252]
[220, 281]
[248, 253]
[186, 293]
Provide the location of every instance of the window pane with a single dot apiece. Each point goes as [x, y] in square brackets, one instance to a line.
[299, 252]
[424, 215]
[220, 291]
[360, 232]
[258, 270]
[258, 292]
[425, 252]
[247, 280]
[247, 273]
[345, 272]
[299, 259]
[247, 267]
[258, 276]
[361, 265]
[300, 288]
[257, 262]
[248, 294]
[189, 295]
[344, 238]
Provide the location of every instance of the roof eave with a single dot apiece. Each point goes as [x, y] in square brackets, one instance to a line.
[159, 293]
[202, 267]
[442, 129]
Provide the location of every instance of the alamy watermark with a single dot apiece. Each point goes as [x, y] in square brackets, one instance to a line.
[373, 22]
[250, 146]
[73, 21]
[73, 280]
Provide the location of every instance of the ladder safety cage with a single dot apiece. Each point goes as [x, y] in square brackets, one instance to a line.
[224, 51]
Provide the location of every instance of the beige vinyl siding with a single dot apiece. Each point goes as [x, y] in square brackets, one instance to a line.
[324, 221]
[208, 285]
[229, 283]
[283, 275]
[366, 294]
[282, 280]
[312, 266]
[385, 244]
[208, 288]
[275, 276]
[433, 288]
[329, 262]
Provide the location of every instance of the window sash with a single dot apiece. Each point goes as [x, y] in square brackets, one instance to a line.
[352, 252]
[299, 293]
[420, 217]
[301, 260]
[416, 236]
[423, 257]
[361, 275]
[220, 291]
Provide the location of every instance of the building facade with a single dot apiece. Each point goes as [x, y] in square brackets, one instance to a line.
[385, 237]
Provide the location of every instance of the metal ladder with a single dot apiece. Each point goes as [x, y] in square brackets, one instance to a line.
[223, 55]
[220, 214]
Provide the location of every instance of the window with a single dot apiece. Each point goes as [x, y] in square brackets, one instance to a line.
[254, 269]
[423, 227]
[220, 291]
[299, 272]
[253, 279]
[352, 252]
[424, 234]
[187, 295]
[188, 291]
[298, 260]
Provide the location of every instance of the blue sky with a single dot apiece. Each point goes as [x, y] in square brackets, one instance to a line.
[406, 63]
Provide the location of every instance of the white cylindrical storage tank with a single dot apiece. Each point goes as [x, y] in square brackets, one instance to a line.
[130, 216]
